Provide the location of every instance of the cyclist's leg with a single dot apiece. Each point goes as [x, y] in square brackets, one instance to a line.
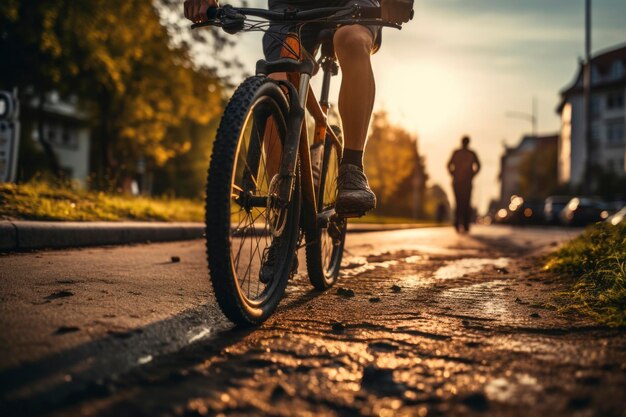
[353, 45]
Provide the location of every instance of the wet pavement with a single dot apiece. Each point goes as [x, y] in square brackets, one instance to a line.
[422, 322]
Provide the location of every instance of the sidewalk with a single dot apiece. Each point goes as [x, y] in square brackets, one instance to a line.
[22, 235]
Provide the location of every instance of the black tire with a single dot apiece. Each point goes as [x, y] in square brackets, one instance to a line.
[231, 186]
[324, 246]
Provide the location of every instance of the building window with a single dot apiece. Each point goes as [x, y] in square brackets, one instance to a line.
[62, 136]
[615, 132]
[52, 135]
[596, 106]
[615, 100]
[595, 75]
[596, 134]
[617, 70]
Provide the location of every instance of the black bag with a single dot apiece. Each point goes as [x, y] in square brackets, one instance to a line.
[397, 11]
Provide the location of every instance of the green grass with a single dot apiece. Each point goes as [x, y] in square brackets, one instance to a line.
[595, 262]
[42, 201]
[39, 200]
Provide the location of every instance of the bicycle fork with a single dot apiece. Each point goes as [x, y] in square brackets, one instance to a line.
[297, 143]
[294, 141]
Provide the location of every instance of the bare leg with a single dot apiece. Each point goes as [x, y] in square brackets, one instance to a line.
[353, 45]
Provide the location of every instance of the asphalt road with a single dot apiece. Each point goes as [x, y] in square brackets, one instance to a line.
[438, 324]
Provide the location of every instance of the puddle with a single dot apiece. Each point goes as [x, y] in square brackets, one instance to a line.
[458, 268]
[356, 265]
[520, 389]
[415, 259]
[200, 334]
[416, 281]
[539, 347]
[485, 297]
[144, 360]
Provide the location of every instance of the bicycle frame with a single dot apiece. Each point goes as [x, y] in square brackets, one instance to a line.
[297, 141]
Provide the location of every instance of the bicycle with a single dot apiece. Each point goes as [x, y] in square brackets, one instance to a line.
[267, 189]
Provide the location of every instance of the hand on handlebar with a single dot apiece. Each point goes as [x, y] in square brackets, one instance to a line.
[196, 10]
[396, 11]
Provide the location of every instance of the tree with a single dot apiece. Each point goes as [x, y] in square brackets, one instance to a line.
[538, 176]
[143, 89]
[395, 170]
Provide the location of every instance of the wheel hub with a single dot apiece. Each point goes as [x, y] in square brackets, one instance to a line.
[276, 209]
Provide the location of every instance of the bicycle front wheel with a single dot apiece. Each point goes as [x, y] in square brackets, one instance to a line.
[251, 238]
[324, 248]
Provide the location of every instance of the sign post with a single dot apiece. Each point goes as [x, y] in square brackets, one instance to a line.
[9, 135]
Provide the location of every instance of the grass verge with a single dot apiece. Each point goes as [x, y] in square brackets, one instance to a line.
[39, 200]
[595, 262]
[42, 201]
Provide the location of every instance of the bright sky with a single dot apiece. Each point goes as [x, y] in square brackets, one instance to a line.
[460, 65]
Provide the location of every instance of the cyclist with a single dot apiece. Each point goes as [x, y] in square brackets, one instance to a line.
[354, 45]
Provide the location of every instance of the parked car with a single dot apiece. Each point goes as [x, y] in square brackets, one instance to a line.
[528, 212]
[552, 207]
[581, 211]
[501, 216]
[618, 217]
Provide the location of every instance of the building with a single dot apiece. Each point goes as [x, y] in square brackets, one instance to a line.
[65, 130]
[528, 169]
[608, 86]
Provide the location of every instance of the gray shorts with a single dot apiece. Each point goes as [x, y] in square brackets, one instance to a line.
[273, 40]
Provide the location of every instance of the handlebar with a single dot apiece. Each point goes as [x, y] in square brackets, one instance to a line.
[232, 19]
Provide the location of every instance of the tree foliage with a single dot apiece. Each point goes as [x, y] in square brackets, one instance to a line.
[395, 169]
[538, 172]
[134, 74]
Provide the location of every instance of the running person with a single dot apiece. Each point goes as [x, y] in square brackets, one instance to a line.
[354, 45]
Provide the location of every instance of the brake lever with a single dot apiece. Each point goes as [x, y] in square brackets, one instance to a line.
[207, 23]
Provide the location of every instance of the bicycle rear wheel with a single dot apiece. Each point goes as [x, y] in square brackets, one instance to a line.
[324, 247]
[244, 221]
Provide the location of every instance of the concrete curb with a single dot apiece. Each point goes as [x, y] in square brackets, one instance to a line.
[28, 235]
[22, 235]
[379, 227]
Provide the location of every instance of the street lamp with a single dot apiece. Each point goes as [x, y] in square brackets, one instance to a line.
[587, 99]
[530, 117]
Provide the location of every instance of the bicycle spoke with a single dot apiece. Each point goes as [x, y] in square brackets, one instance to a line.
[252, 177]
[257, 250]
[241, 244]
[248, 269]
[247, 232]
